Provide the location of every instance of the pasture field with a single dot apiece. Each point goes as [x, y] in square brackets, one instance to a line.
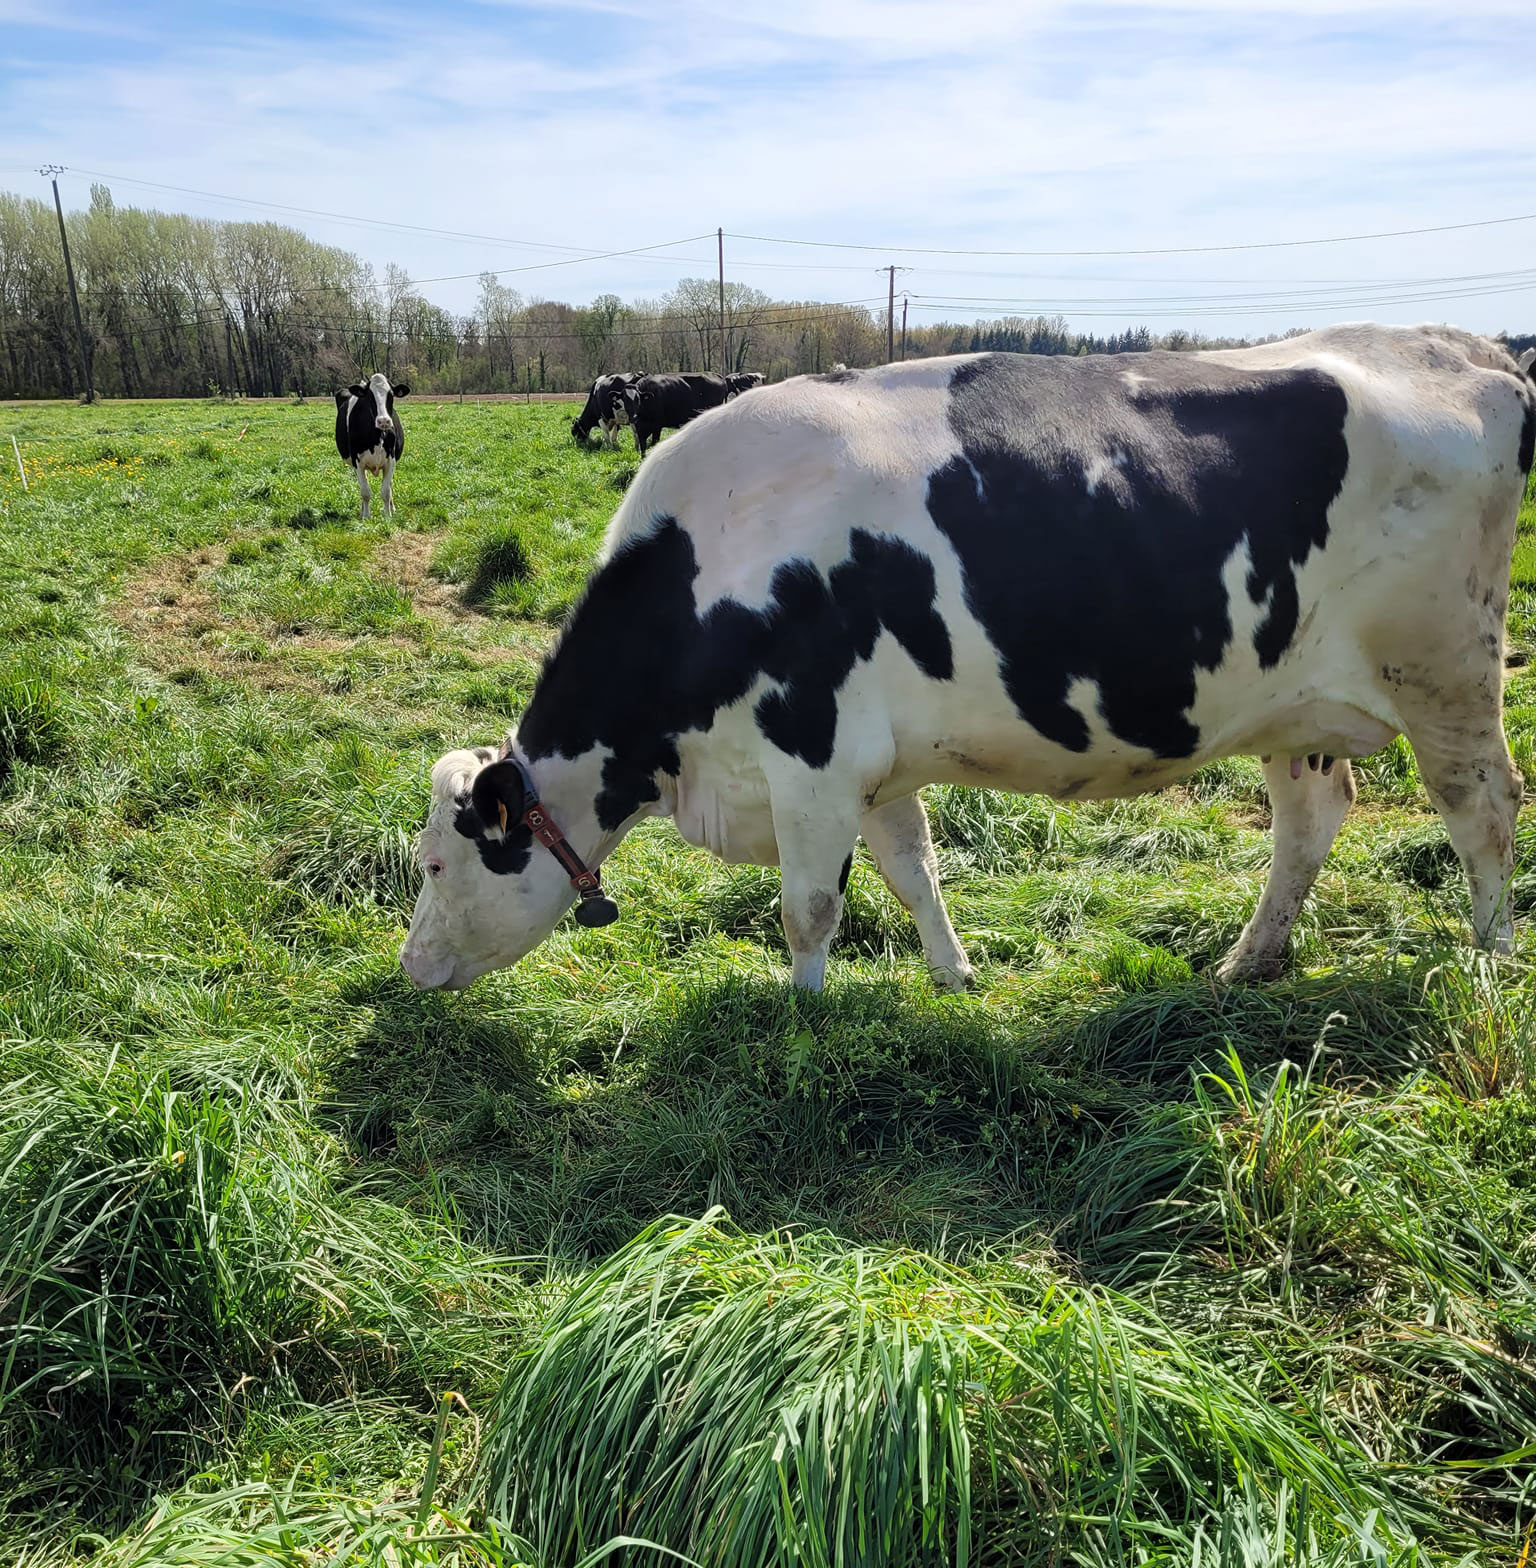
[1097, 1264]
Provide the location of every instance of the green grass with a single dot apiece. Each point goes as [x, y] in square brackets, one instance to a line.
[1095, 1265]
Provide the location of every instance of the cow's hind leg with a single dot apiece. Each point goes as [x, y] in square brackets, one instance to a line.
[365, 493]
[898, 838]
[1474, 784]
[1308, 797]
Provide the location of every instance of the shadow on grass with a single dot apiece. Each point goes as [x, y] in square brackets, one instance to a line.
[874, 1110]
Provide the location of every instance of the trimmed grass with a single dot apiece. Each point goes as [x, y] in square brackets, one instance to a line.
[1097, 1264]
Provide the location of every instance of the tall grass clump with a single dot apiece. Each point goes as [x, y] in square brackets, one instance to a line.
[482, 562]
[176, 1242]
[1478, 1025]
[1285, 1172]
[350, 833]
[33, 728]
[288, 1523]
[778, 1400]
[266, 1526]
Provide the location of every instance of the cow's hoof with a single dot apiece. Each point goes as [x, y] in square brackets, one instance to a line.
[952, 977]
[1247, 968]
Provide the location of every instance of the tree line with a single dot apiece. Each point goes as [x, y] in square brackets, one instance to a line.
[176, 306]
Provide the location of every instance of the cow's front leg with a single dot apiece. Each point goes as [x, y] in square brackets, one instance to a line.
[816, 840]
[898, 838]
[387, 487]
[365, 493]
[1308, 798]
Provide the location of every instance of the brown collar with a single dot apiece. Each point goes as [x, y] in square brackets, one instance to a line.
[595, 907]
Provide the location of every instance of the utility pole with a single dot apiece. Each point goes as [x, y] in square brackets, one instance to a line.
[903, 326]
[229, 356]
[52, 171]
[890, 317]
[725, 358]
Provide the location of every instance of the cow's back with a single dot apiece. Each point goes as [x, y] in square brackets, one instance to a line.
[1140, 556]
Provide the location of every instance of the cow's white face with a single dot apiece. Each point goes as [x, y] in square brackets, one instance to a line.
[489, 894]
[379, 388]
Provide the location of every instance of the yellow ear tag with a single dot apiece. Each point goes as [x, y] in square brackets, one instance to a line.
[501, 811]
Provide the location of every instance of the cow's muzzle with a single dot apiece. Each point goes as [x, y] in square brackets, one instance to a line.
[427, 974]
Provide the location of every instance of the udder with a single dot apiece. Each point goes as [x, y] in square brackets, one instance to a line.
[1335, 728]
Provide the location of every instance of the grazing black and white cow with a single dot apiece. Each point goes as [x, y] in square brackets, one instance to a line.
[658, 403]
[742, 381]
[605, 408]
[369, 435]
[1082, 577]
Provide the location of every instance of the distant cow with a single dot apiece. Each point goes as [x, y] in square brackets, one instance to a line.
[369, 435]
[605, 408]
[1080, 577]
[743, 381]
[658, 403]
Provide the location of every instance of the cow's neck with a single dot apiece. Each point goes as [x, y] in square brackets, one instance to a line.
[624, 682]
[571, 789]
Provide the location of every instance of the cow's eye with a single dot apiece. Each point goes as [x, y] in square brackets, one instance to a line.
[434, 868]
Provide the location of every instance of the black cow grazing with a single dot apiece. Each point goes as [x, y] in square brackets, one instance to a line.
[369, 435]
[605, 408]
[743, 381]
[658, 403]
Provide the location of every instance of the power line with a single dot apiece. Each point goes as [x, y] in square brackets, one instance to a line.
[354, 218]
[599, 253]
[566, 261]
[1516, 279]
[1275, 309]
[1150, 250]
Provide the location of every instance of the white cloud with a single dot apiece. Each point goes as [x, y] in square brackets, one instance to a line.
[1038, 126]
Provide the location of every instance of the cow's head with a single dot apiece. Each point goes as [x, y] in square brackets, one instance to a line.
[490, 892]
[383, 394]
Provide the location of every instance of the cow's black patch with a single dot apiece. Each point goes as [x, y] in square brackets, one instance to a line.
[1527, 437]
[506, 856]
[845, 873]
[638, 666]
[1093, 520]
[342, 395]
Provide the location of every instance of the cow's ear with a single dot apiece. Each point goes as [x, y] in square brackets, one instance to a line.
[401, 389]
[498, 795]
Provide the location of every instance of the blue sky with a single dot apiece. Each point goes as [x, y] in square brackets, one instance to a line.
[602, 124]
